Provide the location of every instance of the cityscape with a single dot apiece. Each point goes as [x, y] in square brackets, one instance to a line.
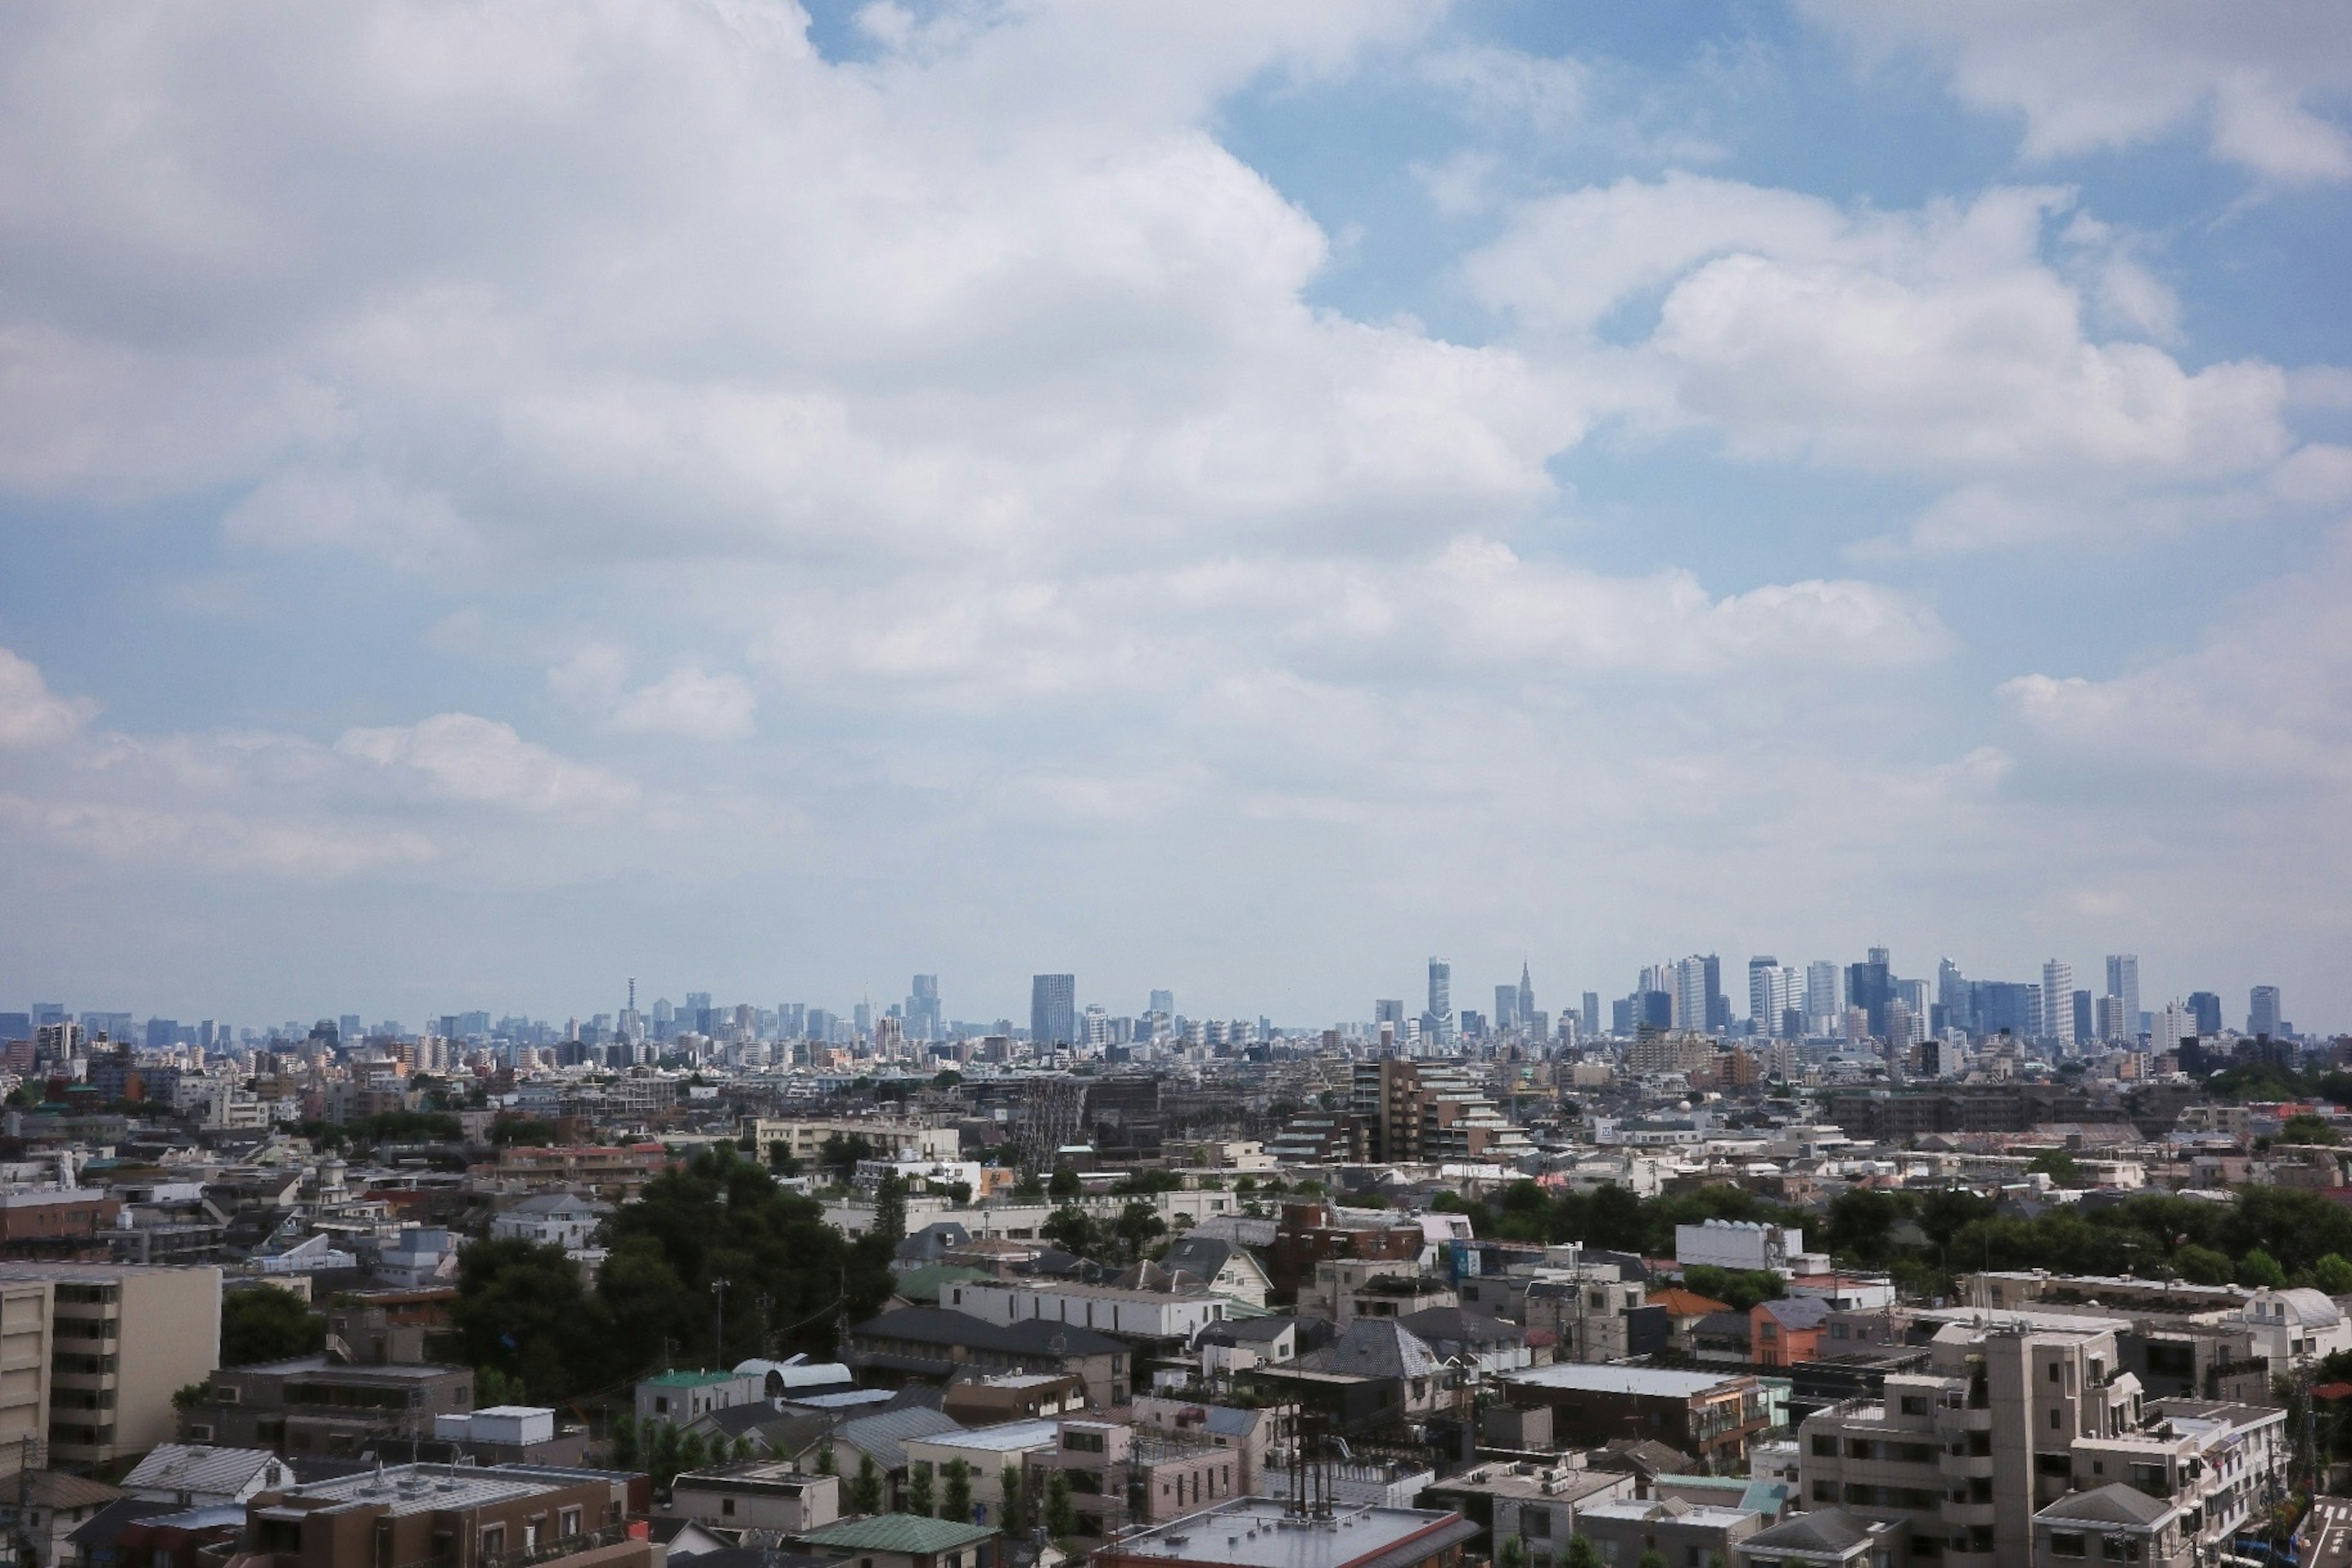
[1100, 784]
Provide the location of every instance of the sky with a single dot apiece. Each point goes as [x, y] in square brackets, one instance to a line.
[496, 499]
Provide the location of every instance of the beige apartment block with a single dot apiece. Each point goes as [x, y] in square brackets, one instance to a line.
[122, 1340]
[24, 1349]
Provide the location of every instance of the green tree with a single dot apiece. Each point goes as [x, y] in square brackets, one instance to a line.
[1070, 1228]
[1061, 1518]
[2332, 1274]
[890, 1209]
[522, 1132]
[1738, 1288]
[625, 1441]
[865, 1486]
[1014, 1519]
[824, 1458]
[1513, 1554]
[841, 1152]
[955, 1499]
[918, 1497]
[2258, 1268]
[523, 1313]
[187, 1396]
[1582, 1553]
[1651, 1560]
[662, 1454]
[263, 1323]
[2202, 1265]
[782, 1159]
[693, 1452]
[1065, 1183]
[1028, 1187]
[1138, 1225]
[2307, 1129]
[2059, 1166]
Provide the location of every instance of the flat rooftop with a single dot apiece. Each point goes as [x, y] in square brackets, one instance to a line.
[1646, 1382]
[408, 1489]
[1261, 1532]
[1003, 1438]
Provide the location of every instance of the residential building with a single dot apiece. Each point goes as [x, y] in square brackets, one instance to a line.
[123, 1340]
[40, 1512]
[1247, 1433]
[760, 1494]
[2263, 1012]
[1129, 1314]
[1053, 1010]
[1738, 1244]
[935, 1344]
[56, 1222]
[890, 1138]
[1682, 1533]
[458, 1514]
[1223, 1267]
[1788, 1331]
[314, 1404]
[27, 1350]
[2058, 1002]
[682, 1396]
[903, 1540]
[199, 1476]
[1826, 1538]
[1709, 1416]
[987, 1452]
[551, 1219]
[2290, 1326]
[1260, 1532]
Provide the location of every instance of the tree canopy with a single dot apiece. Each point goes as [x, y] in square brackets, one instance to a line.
[263, 1323]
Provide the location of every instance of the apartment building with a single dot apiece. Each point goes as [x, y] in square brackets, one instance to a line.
[1107, 1308]
[1416, 1112]
[1120, 1475]
[2020, 1414]
[888, 1138]
[460, 1515]
[26, 1348]
[1708, 1414]
[315, 1405]
[123, 1339]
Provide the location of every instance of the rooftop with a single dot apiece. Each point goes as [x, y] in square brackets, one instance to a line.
[1002, 1438]
[1648, 1381]
[1261, 1532]
[408, 1489]
[908, 1533]
[678, 1378]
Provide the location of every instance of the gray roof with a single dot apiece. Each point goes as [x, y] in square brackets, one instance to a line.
[176, 1467]
[1375, 1347]
[1030, 1336]
[1458, 1325]
[881, 1436]
[2114, 1503]
[1797, 1312]
[1821, 1530]
[1200, 1256]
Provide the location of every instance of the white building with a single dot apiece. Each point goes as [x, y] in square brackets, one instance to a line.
[557, 1219]
[1737, 1244]
[2289, 1325]
[1144, 1314]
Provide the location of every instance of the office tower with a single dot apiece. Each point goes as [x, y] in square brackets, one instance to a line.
[1389, 1010]
[1165, 1001]
[1952, 995]
[2205, 1013]
[162, 1032]
[1526, 995]
[1592, 1014]
[2262, 1011]
[2107, 1020]
[2058, 1002]
[1870, 988]
[2086, 1027]
[1441, 1001]
[2123, 983]
[1878, 955]
[349, 1026]
[923, 1020]
[2175, 1025]
[48, 1012]
[1653, 1010]
[1053, 1010]
[1506, 1008]
[1688, 989]
[1768, 993]
[792, 1020]
[861, 1017]
[1717, 1016]
[15, 1027]
[1822, 1003]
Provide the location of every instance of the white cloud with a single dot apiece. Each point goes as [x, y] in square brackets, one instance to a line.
[1545, 94]
[690, 702]
[2087, 75]
[1939, 344]
[475, 759]
[30, 714]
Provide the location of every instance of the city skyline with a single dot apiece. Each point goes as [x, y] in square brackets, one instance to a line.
[1227, 496]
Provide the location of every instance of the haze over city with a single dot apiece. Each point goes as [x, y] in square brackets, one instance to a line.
[1229, 498]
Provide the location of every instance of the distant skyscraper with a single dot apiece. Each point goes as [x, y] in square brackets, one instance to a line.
[2058, 1002]
[923, 1020]
[1053, 1009]
[2086, 1017]
[2123, 983]
[2262, 1011]
[2205, 1013]
[1441, 1000]
[1718, 1005]
[1592, 1015]
[1822, 1006]
[1527, 997]
[1164, 1002]
[1868, 986]
[1690, 994]
[1766, 995]
[1389, 1010]
[1506, 1008]
[1952, 996]
[348, 1025]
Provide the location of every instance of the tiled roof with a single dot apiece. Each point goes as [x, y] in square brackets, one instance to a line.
[907, 1533]
[177, 1468]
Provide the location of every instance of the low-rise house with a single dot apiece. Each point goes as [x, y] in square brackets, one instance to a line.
[1119, 1476]
[1384, 1349]
[1535, 1502]
[1259, 1532]
[987, 1452]
[1225, 1267]
[313, 1405]
[1454, 1333]
[1248, 1433]
[1239, 1344]
[1825, 1538]
[1786, 1332]
[41, 1512]
[1016, 1396]
[682, 1397]
[459, 1513]
[2116, 1523]
[1135, 1314]
[198, 1475]
[762, 1494]
[1711, 1415]
[936, 1345]
[2289, 1326]
[1676, 1530]
[513, 1435]
[903, 1540]
[551, 1219]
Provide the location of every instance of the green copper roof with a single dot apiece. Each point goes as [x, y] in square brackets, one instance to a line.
[909, 1534]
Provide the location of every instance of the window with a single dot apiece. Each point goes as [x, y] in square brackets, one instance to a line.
[568, 1523]
[494, 1540]
[1915, 1405]
[1824, 1445]
[2055, 1422]
[2056, 1375]
[2119, 1548]
[1535, 1523]
[2066, 1543]
[727, 1505]
[1824, 1492]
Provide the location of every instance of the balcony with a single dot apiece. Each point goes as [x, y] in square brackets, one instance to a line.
[1965, 1467]
[1972, 1419]
[1963, 1515]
